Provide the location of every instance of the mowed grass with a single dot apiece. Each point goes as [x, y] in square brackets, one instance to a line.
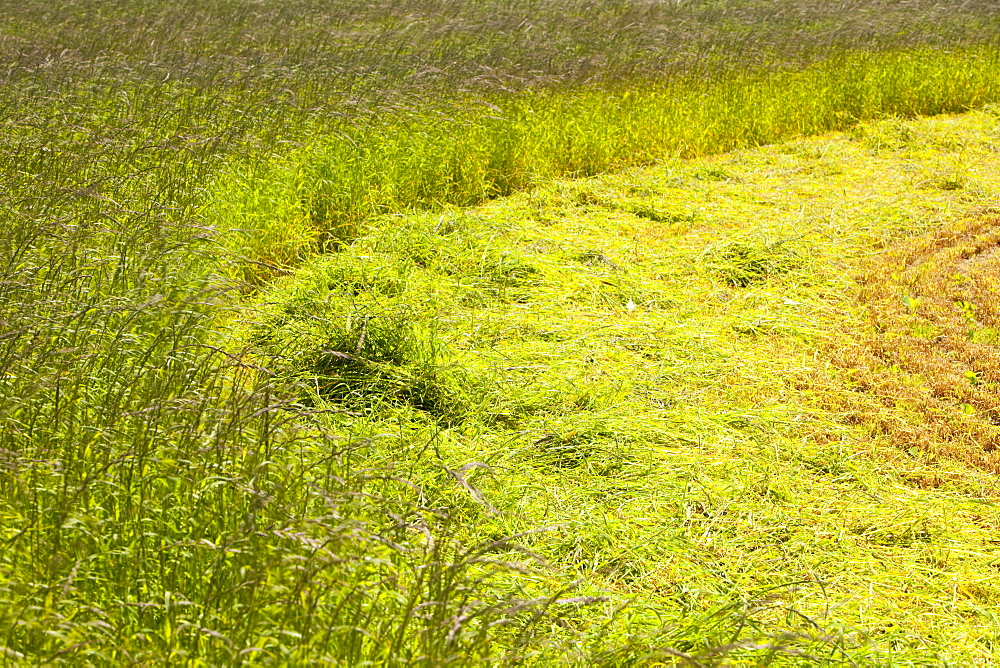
[728, 388]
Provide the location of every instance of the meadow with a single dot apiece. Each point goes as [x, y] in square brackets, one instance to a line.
[585, 332]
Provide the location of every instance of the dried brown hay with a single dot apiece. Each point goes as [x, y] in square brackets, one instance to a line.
[923, 364]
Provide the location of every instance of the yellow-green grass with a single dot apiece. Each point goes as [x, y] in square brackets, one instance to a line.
[651, 365]
[163, 501]
[319, 195]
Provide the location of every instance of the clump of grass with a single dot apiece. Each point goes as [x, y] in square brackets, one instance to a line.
[665, 217]
[894, 134]
[376, 358]
[364, 328]
[743, 264]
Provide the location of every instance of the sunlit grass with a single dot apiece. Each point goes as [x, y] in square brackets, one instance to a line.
[471, 436]
[319, 197]
[677, 412]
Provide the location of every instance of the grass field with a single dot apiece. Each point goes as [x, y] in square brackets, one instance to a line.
[521, 332]
[677, 371]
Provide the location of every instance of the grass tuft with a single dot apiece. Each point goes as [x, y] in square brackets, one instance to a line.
[741, 264]
[380, 358]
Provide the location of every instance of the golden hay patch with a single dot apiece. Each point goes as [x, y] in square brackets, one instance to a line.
[924, 369]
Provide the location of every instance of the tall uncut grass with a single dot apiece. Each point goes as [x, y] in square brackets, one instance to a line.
[318, 196]
[164, 498]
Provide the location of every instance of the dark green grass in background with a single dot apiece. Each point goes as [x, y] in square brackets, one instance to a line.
[164, 499]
